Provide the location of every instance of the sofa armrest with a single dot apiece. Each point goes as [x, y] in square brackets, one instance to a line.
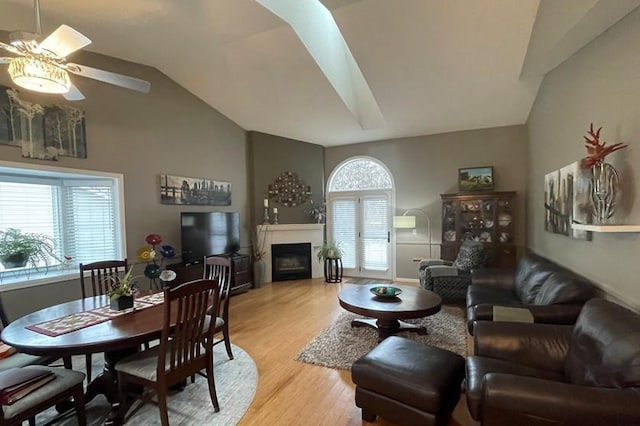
[555, 314]
[517, 400]
[425, 263]
[543, 346]
[499, 278]
[543, 314]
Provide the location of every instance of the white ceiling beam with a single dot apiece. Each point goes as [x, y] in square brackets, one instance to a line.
[320, 35]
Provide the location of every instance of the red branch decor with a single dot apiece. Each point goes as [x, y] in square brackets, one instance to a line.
[598, 150]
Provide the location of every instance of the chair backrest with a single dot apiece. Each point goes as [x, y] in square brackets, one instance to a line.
[102, 275]
[471, 255]
[187, 332]
[219, 268]
[605, 347]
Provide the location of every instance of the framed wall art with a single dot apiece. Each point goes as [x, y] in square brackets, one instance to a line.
[194, 191]
[475, 179]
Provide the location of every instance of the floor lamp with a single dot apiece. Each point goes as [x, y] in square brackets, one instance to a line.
[406, 221]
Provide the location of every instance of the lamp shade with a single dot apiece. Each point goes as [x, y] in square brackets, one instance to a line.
[406, 222]
[39, 76]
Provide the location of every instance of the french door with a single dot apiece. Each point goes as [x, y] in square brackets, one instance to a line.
[360, 223]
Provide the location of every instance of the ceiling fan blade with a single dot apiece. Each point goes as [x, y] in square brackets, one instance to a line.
[73, 94]
[9, 48]
[64, 41]
[5, 60]
[109, 77]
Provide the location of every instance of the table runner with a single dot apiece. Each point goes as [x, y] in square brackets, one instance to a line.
[79, 320]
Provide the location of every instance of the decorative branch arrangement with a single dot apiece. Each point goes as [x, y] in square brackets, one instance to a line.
[598, 150]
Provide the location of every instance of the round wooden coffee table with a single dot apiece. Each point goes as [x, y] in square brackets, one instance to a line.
[386, 315]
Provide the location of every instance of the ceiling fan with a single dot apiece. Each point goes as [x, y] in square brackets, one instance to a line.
[42, 66]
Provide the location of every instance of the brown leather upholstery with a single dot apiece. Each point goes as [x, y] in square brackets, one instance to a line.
[542, 374]
[553, 294]
[408, 382]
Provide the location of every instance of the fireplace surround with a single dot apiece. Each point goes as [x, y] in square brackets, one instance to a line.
[312, 233]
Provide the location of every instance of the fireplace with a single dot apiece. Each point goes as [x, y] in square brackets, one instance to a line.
[290, 261]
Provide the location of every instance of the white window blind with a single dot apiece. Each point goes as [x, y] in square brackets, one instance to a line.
[375, 229]
[90, 233]
[343, 214]
[80, 215]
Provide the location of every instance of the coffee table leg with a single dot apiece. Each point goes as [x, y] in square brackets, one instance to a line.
[387, 328]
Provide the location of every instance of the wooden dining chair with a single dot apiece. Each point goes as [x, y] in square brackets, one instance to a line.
[217, 267]
[19, 359]
[100, 277]
[67, 384]
[186, 346]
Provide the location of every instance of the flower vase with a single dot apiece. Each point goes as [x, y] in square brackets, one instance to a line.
[604, 183]
[258, 273]
[122, 303]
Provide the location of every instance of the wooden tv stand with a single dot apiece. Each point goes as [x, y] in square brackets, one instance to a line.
[240, 272]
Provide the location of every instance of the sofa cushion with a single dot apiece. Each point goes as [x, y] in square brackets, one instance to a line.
[478, 366]
[471, 256]
[563, 286]
[481, 294]
[605, 347]
[531, 273]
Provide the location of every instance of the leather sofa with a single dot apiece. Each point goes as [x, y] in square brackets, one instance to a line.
[543, 374]
[547, 291]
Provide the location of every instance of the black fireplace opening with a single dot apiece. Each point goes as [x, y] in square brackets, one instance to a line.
[290, 261]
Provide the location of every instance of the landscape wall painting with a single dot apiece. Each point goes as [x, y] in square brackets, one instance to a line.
[42, 132]
[194, 191]
[567, 201]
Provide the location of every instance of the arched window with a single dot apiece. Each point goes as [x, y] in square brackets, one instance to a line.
[360, 174]
[359, 200]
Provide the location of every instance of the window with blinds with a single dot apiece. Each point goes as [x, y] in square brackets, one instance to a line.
[81, 217]
[375, 234]
[343, 214]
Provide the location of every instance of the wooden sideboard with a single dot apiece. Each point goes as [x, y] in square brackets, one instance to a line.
[240, 272]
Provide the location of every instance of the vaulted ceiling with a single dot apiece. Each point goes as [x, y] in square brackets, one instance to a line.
[432, 65]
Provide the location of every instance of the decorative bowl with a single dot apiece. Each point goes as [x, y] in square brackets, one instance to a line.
[385, 291]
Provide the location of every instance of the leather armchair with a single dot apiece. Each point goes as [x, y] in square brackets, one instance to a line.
[451, 279]
[544, 374]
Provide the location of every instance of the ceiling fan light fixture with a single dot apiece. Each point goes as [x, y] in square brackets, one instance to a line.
[39, 76]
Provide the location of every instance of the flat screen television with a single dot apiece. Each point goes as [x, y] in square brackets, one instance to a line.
[208, 233]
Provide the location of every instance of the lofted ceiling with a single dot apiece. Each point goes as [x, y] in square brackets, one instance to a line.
[432, 66]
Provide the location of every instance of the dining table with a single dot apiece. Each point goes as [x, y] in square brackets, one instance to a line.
[118, 337]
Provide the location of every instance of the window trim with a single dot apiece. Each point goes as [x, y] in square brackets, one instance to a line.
[40, 172]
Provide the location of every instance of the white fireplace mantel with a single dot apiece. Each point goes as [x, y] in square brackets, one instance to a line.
[288, 234]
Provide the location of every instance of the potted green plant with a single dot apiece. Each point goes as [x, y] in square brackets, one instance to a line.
[122, 290]
[330, 250]
[19, 248]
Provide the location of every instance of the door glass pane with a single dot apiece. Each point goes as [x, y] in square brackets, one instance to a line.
[375, 228]
[343, 214]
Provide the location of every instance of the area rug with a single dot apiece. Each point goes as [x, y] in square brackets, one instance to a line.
[236, 383]
[339, 345]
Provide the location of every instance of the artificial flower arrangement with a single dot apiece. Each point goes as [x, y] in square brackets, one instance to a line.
[154, 268]
[597, 150]
[318, 213]
[124, 288]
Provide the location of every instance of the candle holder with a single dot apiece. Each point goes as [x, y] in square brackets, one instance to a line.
[265, 217]
[275, 218]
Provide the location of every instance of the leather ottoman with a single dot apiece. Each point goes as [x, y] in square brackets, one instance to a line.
[408, 382]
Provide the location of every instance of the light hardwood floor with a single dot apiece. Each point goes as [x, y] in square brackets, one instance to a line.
[273, 324]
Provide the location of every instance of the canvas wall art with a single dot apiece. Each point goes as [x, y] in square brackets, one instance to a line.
[194, 191]
[475, 179]
[44, 132]
[567, 200]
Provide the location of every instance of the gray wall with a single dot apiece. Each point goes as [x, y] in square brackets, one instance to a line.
[600, 83]
[424, 167]
[141, 136]
[270, 156]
